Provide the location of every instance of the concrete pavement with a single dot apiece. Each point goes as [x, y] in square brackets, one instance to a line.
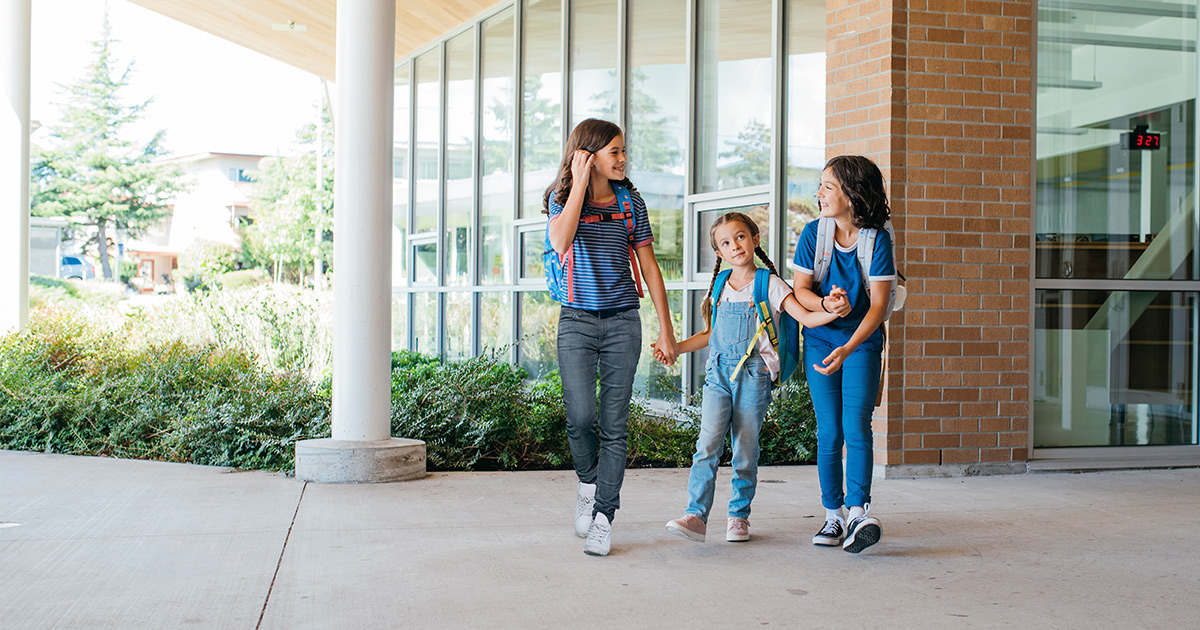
[103, 543]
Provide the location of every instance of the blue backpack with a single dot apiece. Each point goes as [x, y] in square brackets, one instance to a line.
[784, 336]
[560, 269]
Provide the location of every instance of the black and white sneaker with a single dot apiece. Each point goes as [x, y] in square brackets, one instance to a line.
[862, 532]
[831, 533]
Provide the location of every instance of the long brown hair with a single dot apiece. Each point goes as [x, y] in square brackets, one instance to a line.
[590, 135]
[862, 182]
[706, 308]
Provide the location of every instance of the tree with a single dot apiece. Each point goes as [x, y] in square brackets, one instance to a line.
[292, 212]
[92, 173]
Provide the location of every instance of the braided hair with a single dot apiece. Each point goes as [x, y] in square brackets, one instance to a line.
[706, 308]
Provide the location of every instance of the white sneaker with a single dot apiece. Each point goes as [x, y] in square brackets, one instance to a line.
[599, 537]
[831, 533]
[584, 499]
[862, 532]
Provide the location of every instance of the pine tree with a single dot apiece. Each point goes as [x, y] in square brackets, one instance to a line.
[92, 173]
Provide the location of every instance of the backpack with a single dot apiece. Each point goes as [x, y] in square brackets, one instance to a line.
[865, 250]
[560, 269]
[785, 337]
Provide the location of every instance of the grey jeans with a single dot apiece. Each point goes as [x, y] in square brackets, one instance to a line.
[592, 349]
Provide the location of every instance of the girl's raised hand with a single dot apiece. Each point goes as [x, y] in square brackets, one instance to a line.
[837, 302]
[581, 168]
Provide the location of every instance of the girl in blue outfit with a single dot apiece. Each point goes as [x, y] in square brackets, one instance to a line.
[599, 330]
[842, 357]
[736, 394]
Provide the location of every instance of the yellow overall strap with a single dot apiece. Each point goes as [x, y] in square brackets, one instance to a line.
[749, 350]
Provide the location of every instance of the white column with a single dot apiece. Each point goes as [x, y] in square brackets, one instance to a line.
[362, 449]
[15, 17]
[362, 226]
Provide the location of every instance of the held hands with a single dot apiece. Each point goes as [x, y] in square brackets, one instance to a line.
[581, 168]
[837, 302]
[665, 350]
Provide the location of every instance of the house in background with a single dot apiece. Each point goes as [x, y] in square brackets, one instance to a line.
[213, 211]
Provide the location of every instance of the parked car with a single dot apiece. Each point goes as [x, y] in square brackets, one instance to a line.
[76, 268]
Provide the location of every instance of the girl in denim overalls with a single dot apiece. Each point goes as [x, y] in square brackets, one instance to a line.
[736, 392]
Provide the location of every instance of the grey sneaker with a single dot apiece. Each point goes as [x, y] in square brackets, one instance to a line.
[584, 499]
[689, 527]
[738, 530]
[831, 533]
[862, 532]
[599, 537]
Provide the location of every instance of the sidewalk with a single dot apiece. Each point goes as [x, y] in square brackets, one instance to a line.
[102, 543]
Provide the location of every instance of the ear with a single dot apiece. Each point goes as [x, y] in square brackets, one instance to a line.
[756, 239]
[718, 253]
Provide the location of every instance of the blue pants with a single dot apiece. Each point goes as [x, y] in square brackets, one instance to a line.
[730, 406]
[843, 402]
[595, 349]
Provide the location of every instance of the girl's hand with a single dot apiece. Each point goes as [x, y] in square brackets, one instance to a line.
[833, 362]
[837, 302]
[667, 347]
[581, 168]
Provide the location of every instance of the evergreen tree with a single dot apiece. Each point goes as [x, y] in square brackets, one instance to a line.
[92, 173]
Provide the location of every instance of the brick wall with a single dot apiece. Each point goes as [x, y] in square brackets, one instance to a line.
[940, 94]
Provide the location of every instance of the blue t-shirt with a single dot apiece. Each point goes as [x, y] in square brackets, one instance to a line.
[844, 272]
[603, 277]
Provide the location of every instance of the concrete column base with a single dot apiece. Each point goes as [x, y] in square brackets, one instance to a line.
[922, 471]
[328, 460]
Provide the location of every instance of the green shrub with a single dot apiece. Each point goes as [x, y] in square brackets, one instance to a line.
[243, 278]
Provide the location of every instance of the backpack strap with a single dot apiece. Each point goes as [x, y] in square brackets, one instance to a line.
[865, 251]
[718, 286]
[630, 218]
[762, 278]
[823, 254]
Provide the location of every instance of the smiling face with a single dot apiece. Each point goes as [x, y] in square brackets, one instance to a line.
[610, 161]
[734, 243]
[834, 202]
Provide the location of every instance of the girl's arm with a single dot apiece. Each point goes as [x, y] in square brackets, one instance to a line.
[562, 228]
[880, 291]
[806, 317]
[695, 342]
[802, 289]
[658, 294]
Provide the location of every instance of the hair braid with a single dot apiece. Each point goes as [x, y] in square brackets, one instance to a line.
[758, 251]
[706, 308]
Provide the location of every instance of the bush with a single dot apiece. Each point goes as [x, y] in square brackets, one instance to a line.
[243, 278]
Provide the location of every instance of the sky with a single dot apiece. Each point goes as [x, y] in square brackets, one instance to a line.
[209, 94]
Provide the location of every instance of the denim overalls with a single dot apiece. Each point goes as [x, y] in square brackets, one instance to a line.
[737, 405]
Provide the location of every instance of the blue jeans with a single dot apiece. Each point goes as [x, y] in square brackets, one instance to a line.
[730, 406]
[843, 402]
[595, 349]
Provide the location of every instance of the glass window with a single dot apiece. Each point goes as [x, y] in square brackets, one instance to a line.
[707, 258]
[460, 157]
[699, 357]
[1107, 207]
[658, 111]
[400, 152]
[537, 350]
[734, 86]
[1114, 368]
[496, 128]
[533, 246]
[595, 88]
[653, 379]
[425, 324]
[541, 116]
[399, 320]
[425, 263]
[805, 119]
[459, 323]
[429, 112]
[496, 310]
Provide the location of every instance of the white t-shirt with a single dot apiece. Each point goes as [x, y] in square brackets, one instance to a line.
[777, 292]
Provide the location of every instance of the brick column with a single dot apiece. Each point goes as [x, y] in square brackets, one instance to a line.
[940, 94]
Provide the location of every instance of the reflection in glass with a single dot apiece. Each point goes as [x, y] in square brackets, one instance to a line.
[425, 263]
[699, 357]
[400, 153]
[459, 169]
[537, 349]
[399, 321]
[734, 86]
[657, 136]
[653, 379]
[496, 310]
[707, 259]
[497, 121]
[594, 84]
[1114, 368]
[1106, 211]
[533, 246]
[805, 119]
[458, 323]
[429, 104]
[541, 120]
[425, 316]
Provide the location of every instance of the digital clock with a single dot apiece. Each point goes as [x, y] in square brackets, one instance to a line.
[1141, 140]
